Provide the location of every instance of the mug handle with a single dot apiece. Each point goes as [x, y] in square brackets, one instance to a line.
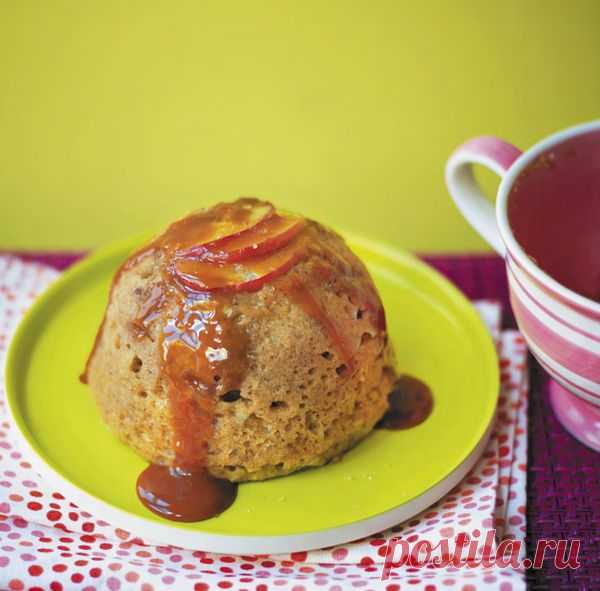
[493, 153]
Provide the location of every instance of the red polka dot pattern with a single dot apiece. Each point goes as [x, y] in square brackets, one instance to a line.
[47, 542]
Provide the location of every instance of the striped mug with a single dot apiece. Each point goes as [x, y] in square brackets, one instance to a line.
[546, 225]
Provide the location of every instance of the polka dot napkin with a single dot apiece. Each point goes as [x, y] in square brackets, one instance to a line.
[47, 542]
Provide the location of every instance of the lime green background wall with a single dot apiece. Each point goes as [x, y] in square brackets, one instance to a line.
[118, 116]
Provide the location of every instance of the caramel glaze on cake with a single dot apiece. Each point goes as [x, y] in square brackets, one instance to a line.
[241, 344]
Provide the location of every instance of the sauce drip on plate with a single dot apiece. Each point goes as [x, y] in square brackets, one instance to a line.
[184, 496]
[411, 403]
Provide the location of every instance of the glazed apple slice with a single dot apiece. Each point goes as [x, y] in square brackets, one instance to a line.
[265, 237]
[207, 276]
[220, 223]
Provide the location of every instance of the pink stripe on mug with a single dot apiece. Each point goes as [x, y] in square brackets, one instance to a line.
[574, 357]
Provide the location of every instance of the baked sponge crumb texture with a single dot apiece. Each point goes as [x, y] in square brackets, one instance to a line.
[299, 405]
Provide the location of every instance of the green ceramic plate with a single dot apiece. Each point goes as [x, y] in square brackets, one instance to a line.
[389, 477]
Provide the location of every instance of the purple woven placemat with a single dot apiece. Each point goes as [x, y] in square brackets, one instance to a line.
[563, 496]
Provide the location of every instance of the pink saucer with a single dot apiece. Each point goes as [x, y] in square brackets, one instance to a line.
[577, 416]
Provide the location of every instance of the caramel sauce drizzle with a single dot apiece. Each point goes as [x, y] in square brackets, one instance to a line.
[301, 295]
[204, 356]
[149, 312]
